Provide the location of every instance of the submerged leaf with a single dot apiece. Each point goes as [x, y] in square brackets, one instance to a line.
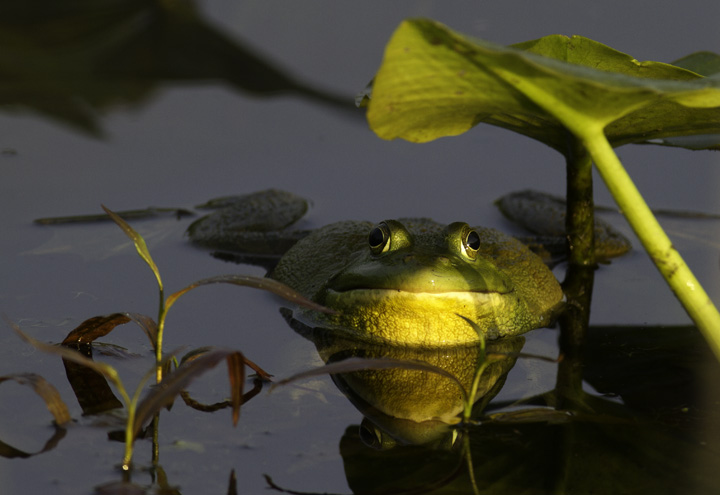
[544, 214]
[251, 223]
[90, 387]
[199, 406]
[47, 393]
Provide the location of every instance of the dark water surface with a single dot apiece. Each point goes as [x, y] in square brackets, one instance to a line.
[136, 103]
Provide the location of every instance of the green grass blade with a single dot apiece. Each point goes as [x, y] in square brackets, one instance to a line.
[139, 242]
[261, 283]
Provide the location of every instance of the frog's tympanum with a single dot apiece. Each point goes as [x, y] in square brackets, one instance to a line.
[414, 281]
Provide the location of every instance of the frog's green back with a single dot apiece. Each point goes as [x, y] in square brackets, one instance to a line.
[326, 251]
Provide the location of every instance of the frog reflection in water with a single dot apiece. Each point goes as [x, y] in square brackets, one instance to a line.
[409, 281]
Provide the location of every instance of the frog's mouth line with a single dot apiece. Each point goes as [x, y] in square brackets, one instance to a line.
[383, 291]
[363, 296]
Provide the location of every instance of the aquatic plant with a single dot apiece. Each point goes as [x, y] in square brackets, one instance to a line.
[139, 412]
[156, 331]
[170, 382]
[576, 95]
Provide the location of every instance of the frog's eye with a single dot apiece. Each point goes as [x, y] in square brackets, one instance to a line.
[379, 238]
[471, 242]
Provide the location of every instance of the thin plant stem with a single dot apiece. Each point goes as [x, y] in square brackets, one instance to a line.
[127, 457]
[129, 439]
[473, 392]
[468, 457]
[666, 258]
[470, 397]
[156, 440]
[131, 406]
[158, 344]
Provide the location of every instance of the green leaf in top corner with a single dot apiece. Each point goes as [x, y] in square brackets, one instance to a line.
[434, 82]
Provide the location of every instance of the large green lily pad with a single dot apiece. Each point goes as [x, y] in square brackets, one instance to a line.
[435, 82]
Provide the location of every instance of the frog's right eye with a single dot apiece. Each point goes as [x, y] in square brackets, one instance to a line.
[379, 238]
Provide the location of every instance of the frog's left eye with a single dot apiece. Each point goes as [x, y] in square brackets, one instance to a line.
[471, 242]
[379, 238]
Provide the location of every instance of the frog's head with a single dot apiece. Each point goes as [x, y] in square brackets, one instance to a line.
[397, 260]
[416, 280]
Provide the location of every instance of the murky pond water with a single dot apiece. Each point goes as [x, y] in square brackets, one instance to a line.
[134, 104]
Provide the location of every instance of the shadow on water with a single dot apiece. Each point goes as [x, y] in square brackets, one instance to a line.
[72, 60]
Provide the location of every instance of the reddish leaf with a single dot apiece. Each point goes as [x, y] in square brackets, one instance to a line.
[173, 383]
[94, 328]
[236, 375]
[99, 326]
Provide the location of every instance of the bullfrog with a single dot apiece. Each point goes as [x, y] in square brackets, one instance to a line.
[415, 281]
[409, 281]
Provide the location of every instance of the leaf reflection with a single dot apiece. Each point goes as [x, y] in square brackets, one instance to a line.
[72, 61]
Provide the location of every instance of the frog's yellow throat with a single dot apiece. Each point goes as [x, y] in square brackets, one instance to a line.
[427, 319]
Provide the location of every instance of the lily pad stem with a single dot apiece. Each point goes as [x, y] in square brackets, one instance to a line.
[580, 217]
[666, 258]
